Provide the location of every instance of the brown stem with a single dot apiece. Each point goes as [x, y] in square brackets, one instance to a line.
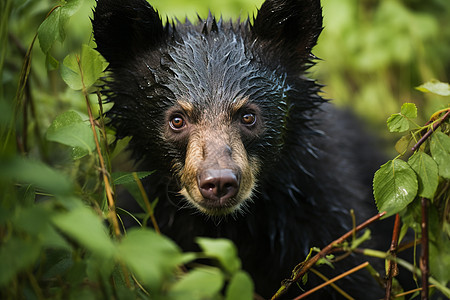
[406, 245]
[392, 265]
[411, 291]
[429, 132]
[302, 268]
[338, 289]
[108, 189]
[25, 118]
[18, 101]
[357, 268]
[424, 264]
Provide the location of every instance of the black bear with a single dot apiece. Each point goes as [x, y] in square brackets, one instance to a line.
[243, 146]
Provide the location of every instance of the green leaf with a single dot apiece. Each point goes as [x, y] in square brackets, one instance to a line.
[71, 71]
[399, 122]
[409, 110]
[150, 256]
[440, 259]
[87, 228]
[363, 238]
[27, 195]
[76, 275]
[36, 222]
[394, 186]
[78, 153]
[57, 263]
[119, 146]
[51, 62]
[16, 255]
[223, 250]
[69, 129]
[440, 150]
[435, 87]
[240, 287]
[127, 177]
[439, 245]
[37, 173]
[98, 268]
[411, 217]
[402, 144]
[305, 279]
[427, 173]
[52, 29]
[84, 69]
[200, 283]
[33, 220]
[326, 261]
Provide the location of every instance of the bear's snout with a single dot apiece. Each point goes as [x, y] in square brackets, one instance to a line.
[218, 185]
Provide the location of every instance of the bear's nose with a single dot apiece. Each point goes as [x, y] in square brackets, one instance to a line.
[218, 184]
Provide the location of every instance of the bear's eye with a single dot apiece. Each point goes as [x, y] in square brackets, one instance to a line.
[248, 119]
[177, 123]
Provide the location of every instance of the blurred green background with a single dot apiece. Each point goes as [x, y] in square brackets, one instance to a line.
[374, 52]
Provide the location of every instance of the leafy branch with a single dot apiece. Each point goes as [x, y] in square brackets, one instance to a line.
[434, 127]
[301, 269]
[400, 185]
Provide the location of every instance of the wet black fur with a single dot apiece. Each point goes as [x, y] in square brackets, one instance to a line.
[316, 167]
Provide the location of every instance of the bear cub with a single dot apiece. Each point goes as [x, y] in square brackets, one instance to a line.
[242, 145]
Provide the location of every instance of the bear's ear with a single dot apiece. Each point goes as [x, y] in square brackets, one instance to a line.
[288, 29]
[124, 28]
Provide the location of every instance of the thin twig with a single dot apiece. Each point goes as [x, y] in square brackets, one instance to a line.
[108, 189]
[392, 265]
[105, 136]
[25, 119]
[429, 132]
[424, 263]
[411, 291]
[23, 79]
[147, 202]
[357, 268]
[140, 285]
[334, 286]
[406, 245]
[302, 268]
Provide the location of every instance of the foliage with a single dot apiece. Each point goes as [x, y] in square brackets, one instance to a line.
[394, 180]
[59, 235]
[400, 186]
